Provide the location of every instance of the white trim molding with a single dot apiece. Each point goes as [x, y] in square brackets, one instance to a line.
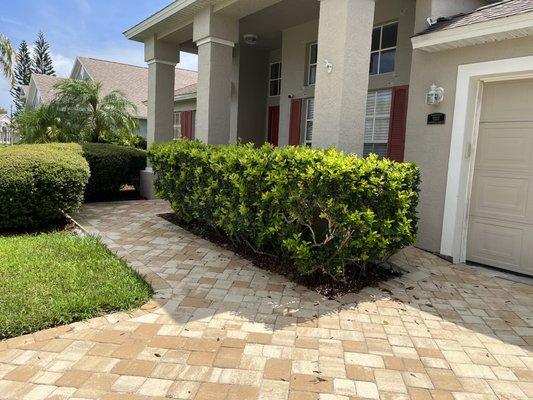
[213, 39]
[469, 91]
[156, 61]
[520, 25]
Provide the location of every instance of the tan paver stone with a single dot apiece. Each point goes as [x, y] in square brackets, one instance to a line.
[212, 391]
[73, 378]
[278, 369]
[218, 327]
[134, 367]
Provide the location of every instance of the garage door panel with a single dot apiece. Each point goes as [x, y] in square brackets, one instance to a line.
[507, 101]
[496, 244]
[505, 147]
[503, 197]
[500, 221]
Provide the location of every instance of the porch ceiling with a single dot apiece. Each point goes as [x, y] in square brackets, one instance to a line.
[269, 22]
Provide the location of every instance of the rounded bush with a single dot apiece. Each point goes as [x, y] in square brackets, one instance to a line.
[321, 209]
[112, 166]
[39, 182]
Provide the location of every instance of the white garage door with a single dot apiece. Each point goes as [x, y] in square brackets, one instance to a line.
[500, 228]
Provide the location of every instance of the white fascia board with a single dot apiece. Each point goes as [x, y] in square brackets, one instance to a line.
[500, 29]
[183, 97]
[159, 16]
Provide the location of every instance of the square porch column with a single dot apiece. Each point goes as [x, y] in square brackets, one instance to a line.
[161, 58]
[344, 41]
[215, 36]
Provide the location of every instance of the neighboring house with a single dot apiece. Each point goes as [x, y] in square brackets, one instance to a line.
[40, 90]
[444, 83]
[5, 129]
[129, 79]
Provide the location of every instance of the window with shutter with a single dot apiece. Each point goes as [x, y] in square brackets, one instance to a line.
[309, 116]
[377, 122]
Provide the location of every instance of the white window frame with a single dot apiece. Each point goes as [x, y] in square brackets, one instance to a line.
[308, 142]
[310, 64]
[270, 80]
[380, 50]
[177, 126]
[376, 116]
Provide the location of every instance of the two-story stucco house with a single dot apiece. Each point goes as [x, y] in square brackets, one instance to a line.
[444, 83]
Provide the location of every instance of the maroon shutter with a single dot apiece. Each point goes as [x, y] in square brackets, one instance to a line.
[186, 124]
[273, 125]
[295, 122]
[398, 123]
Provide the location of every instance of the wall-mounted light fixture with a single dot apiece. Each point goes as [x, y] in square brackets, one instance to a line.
[435, 95]
[329, 66]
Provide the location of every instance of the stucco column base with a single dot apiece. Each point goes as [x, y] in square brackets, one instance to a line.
[341, 91]
[147, 184]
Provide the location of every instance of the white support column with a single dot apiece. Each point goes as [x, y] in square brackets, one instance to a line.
[215, 37]
[161, 58]
[344, 39]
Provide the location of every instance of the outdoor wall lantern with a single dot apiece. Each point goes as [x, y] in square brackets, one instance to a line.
[435, 95]
[329, 66]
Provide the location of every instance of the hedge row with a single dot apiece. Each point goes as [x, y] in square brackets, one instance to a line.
[112, 166]
[39, 182]
[323, 210]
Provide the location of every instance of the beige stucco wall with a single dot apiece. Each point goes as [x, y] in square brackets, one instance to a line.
[253, 82]
[428, 145]
[294, 51]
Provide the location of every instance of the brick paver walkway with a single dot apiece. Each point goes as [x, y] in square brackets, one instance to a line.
[223, 329]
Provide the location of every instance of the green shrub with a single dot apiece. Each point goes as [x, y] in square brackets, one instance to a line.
[39, 182]
[112, 166]
[323, 210]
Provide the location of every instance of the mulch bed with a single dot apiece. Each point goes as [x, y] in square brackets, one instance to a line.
[322, 283]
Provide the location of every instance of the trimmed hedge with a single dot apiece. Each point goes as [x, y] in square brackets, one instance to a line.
[38, 182]
[112, 166]
[322, 210]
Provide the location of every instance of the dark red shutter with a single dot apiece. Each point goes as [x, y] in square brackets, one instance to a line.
[273, 125]
[295, 122]
[398, 123]
[186, 124]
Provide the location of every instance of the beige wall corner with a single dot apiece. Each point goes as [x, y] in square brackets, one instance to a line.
[340, 94]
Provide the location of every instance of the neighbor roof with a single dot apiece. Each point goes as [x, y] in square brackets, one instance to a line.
[502, 9]
[131, 80]
[186, 90]
[45, 85]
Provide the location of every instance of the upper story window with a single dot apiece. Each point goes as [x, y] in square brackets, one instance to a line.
[275, 79]
[312, 63]
[383, 55]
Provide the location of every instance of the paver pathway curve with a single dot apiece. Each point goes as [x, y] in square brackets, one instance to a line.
[223, 329]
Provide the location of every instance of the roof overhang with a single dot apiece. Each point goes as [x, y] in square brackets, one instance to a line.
[176, 15]
[517, 26]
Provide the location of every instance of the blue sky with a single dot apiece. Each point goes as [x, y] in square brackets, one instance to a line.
[91, 28]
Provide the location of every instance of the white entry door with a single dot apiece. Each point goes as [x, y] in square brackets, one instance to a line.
[500, 228]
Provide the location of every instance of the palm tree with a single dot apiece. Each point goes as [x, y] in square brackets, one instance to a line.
[98, 117]
[7, 54]
[44, 124]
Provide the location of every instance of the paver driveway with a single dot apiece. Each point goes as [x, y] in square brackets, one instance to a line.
[223, 329]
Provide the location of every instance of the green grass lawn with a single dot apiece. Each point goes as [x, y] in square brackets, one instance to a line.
[57, 278]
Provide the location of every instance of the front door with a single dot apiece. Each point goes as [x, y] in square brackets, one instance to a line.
[500, 227]
[273, 125]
